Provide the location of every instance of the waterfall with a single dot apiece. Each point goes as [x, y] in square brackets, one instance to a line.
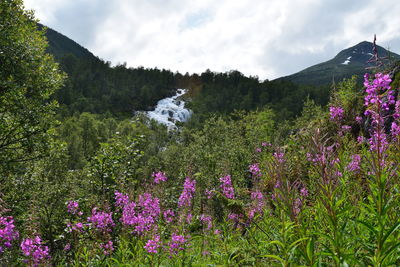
[170, 110]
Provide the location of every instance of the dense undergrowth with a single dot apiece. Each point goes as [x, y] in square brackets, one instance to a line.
[241, 190]
[229, 194]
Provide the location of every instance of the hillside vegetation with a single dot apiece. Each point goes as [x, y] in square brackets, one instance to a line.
[267, 173]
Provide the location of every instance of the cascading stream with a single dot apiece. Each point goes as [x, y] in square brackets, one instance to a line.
[170, 110]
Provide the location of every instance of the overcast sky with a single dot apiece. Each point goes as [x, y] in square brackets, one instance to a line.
[267, 38]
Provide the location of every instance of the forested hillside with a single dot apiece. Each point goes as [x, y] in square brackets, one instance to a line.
[93, 85]
[267, 173]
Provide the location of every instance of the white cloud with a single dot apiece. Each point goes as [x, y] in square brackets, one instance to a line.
[257, 37]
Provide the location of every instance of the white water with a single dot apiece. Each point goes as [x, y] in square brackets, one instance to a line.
[170, 110]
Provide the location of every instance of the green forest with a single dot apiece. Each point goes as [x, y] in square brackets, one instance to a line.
[265, 173]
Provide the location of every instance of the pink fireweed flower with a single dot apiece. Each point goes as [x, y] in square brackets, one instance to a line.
[209, 193]
[7, 233]
[189, 188]
[297, 204]
[152, 245]
[235, 217]
[304, 192]
[72, 207]
[159, 177]
[258, 150]
[336, 113]
[346, 128]
[257, 205]
[177, 243]
[67, 247]
[34, 249]
[121, 199]
[168, 215]
[360, 139]
[101, 220]
[378, 141]
[206, 220]
[189, 218]
[143, 215]
[226, 186]
[375, 91]
[354, 165]
[108, 247]
[395, 130]
[279, 156]
[255, 169]
[396, 114]
[75, 227]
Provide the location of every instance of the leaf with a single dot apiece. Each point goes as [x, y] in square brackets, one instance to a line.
[370, 227]
[393, 229]
[390, 251]
[273, 257]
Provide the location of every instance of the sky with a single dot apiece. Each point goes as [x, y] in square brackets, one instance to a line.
[264, 38]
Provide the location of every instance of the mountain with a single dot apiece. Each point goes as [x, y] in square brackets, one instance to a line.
[93, 85]
[60, 45]
[351, 61]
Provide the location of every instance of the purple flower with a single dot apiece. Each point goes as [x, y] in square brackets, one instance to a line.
[152, 245]
[234, 217]
[75, 227]
[336, 113]
[72, 207]
[108, 247]
[375, 91]
[177, 243]
[226, 186]
[34, 249]
[101, 220]
[346, 128]
[257, 205]
[395, 130]
[258, 150]
[304, 192]
[189, 188]
[279, 156]
[121, 199]
[209, 193]
[159, 177]
[7, 232]
[378, 141]
[143, 215]
[168, 215]
[67, 247]
[297, 204]
[360, 139]
[255, 169]
[206, 220]
[189, 218]
[354, 165]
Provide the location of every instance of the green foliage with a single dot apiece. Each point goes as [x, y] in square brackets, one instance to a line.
[28, 78]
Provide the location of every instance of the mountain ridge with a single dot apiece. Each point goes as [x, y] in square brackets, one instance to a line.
[348, 62]
[61, 45]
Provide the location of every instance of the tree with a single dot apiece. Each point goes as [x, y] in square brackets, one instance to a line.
[28, 78]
